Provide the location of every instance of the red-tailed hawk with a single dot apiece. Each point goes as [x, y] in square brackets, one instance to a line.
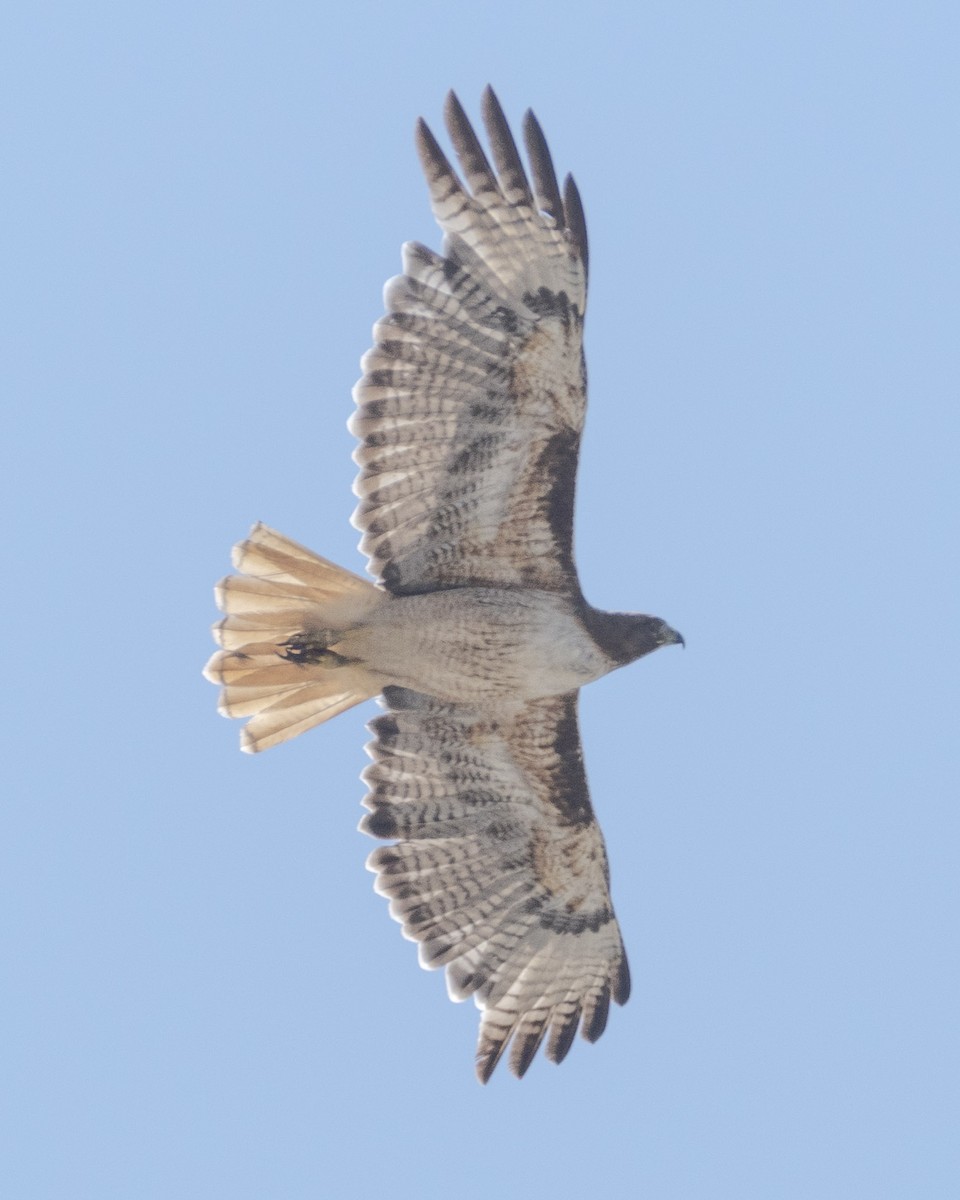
[476, 634]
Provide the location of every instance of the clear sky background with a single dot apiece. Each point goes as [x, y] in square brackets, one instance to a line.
[204, 997]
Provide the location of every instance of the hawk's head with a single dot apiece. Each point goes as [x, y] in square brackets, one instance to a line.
[629, 636]
[644, 634]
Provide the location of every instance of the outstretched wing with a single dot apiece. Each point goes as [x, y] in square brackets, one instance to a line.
[472, 399]
[499, 871]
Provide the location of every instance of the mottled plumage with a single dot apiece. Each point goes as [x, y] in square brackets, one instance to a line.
[476, 634]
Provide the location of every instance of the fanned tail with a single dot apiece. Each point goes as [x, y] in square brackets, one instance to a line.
[285, 616]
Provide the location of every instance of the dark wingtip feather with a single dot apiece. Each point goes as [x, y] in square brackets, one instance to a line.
[453, 112]
[544, 176]
[435, 163]
[576, 221]
[455, 117]
[488, 1055]
[621, 985]
[423, 135]
[470, 153]
[561, 1041]
[510, 168]
[490, 1049]
[525, 1050]
[598, 1018]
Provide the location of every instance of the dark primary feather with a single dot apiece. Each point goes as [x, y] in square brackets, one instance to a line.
[476, 169]
[576, 221]
[544, 176]
[513, 178]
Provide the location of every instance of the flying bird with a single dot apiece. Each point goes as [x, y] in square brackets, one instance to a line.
[476, 634]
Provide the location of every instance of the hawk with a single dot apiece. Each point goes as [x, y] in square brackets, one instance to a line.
[476, 634]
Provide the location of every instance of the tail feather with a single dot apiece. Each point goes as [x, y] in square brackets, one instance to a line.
[294, 714]
[256, 632]
[285, 615]
[269, 555]
[242, 594]
[248, 701]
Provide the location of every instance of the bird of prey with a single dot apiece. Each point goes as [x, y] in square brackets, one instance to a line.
[475, 633]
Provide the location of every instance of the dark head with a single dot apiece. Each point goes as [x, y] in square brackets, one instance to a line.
[626, 637]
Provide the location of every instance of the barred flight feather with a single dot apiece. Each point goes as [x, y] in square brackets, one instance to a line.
[497, 319]
[499, 885]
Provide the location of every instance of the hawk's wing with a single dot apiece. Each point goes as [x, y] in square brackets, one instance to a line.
[472, 399]
[500, 870]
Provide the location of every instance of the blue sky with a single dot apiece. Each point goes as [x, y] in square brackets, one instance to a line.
[204, 996]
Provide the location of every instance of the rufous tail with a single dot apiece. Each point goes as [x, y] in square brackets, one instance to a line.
[285, 613]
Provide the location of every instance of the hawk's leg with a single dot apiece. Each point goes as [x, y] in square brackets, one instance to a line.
[311, 648]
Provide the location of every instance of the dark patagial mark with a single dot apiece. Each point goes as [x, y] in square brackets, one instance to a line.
[556, 471]
[568, 780]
